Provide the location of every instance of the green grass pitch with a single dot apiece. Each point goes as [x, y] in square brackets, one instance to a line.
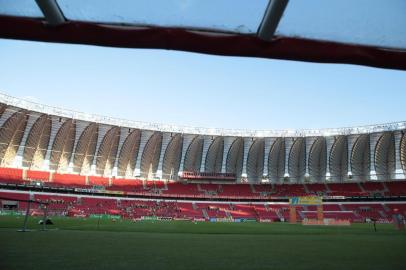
[83, 244]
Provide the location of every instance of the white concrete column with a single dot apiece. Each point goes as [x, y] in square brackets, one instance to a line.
[187, 140]
[80, 127]
[329, 144]
[166, 138]
[124, 133]
[228, 141]
[247, 145]
[288, 145]
[308, 146]
[207, 141]
[18, 160]
[373, 139]
[55, 126]
[267, 149]
[400, 174]
[351, 139]
[102, 130]
[145, 136]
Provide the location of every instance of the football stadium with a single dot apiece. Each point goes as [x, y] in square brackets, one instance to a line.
[80, 190]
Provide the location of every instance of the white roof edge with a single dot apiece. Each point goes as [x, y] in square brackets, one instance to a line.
[60, 112]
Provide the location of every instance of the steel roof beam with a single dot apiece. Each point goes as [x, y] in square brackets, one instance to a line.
[273, 15]
[53, 14]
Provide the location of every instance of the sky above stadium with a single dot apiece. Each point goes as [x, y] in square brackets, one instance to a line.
[201, 90]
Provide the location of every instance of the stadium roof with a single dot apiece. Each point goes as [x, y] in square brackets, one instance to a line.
[61, 112]
[364, 32]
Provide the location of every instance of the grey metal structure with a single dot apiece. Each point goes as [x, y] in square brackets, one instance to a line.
[41, 137]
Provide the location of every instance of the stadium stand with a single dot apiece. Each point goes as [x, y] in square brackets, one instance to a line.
[205, 190]
[80, 205]
[225, 175]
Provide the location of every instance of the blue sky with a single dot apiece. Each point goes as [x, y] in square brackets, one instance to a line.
[201, 90]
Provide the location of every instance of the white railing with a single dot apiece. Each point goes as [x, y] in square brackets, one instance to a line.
[51, 110]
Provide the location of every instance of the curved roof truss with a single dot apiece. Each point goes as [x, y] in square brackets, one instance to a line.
[276, 161]
[385, 156]
[297, 160]
[360, 159]
[214, 157]
[255, 161]
[235, 157]
[318, 160]
[150, 156]
[172, 157]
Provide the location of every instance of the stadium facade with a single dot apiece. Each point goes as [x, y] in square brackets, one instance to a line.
[39, 137]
